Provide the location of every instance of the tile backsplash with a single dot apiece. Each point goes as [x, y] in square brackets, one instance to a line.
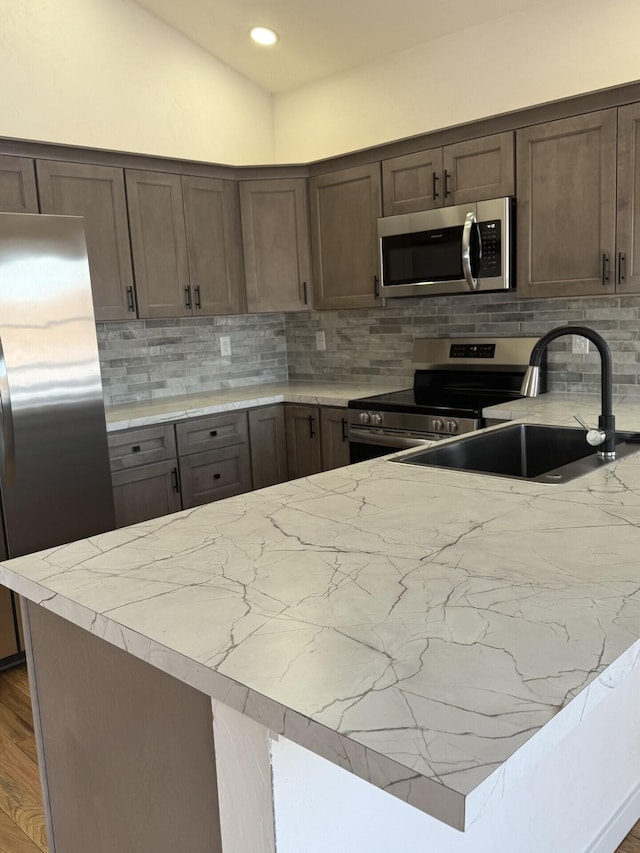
[147, 359]
[377, 343]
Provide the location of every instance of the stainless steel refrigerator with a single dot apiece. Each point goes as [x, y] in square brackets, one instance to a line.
[55, 483]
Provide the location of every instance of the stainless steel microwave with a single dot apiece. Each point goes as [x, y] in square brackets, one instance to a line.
[462, 249]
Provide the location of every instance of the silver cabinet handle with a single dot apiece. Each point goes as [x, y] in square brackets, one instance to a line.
[470, 221]
[8, 458]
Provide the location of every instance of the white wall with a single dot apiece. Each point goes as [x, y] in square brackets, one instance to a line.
[106, 74]
[544, 54]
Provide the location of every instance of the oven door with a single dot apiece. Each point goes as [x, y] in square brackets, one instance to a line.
[371, 443]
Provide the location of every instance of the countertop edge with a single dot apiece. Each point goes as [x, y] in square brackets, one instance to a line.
[425, 794]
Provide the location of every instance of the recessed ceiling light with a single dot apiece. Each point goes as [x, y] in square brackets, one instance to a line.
[264, 35]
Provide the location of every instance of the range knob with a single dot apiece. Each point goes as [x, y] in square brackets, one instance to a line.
[365, 417]
[437, 425]
[376, 418]
[452, 426]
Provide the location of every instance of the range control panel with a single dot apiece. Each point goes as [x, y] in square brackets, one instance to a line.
[472, 351]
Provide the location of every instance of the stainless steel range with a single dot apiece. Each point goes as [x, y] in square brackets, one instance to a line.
[455, 380]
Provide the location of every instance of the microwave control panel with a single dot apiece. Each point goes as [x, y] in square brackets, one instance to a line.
[491, 240]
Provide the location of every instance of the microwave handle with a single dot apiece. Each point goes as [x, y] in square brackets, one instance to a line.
[469, 224]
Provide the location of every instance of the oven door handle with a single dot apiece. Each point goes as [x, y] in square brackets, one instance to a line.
[385, 439]
[469, 224]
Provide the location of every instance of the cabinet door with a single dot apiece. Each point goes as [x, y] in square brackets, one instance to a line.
[479, 169]
[149, 491]
[566, 189]
[335, 441]
[413, 182]
[97, 194]
[158, 244]
[628, 222]
[268, 446]
[214, 245]
[344, 242]
[214, 474]
[275, 233]
[303, 440]
[17, 185]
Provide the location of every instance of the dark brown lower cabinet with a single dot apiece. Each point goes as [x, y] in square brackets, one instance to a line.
[144, 473]
[268, 446]
[158, 470]
[335, 441]
[304, 453]
[214, 457]
[317, 439]
[215, 474]
[149, 491]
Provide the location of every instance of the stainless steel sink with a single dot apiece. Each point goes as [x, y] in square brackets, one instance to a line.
[534, 452]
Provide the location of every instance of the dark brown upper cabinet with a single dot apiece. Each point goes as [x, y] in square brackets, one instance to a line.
[627, 262]
[468, 171]
[186, 244]
[275, 233]
[214, 245]
[17, 185]
[97, 194]
[566, 191]
[344, 207]
[158, 244]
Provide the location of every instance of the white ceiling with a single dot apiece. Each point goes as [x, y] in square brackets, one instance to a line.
[324, 37]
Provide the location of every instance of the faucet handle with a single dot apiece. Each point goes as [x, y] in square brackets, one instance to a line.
[595, 437]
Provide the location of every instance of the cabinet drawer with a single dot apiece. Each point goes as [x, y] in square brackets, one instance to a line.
[212, 433]
[133, 447]
[214, 474]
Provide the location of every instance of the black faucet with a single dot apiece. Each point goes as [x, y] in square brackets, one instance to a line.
[605, 436]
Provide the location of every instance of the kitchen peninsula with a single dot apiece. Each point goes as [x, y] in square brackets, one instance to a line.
[465, 646]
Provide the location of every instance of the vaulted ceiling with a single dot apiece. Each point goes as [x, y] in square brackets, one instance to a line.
[318, 39]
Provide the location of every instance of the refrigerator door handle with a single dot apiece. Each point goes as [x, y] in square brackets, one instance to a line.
[8, 458]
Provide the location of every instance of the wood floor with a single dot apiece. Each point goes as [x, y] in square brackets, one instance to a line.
[22, 828]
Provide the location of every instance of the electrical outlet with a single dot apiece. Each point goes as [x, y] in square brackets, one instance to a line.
[321, 341]
[225, 345]
[579, 345]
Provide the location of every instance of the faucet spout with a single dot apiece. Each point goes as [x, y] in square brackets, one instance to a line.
[606, 421]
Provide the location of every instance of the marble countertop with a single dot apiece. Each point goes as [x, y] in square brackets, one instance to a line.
[164, 409]
[433, 632]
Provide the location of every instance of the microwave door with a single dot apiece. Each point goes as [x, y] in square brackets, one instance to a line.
[471, 250]
[422, 257]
